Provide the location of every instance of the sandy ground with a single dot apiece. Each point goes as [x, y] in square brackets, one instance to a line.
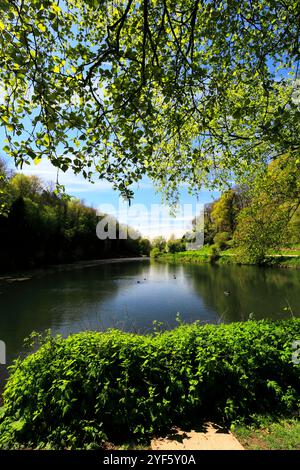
[212, 437]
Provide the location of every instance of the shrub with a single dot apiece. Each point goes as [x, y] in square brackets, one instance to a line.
[176, 246]
[91, 387]
[155, 253]
[214, 254]
[221, 240]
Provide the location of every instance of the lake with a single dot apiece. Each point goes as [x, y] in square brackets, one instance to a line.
[131, 295]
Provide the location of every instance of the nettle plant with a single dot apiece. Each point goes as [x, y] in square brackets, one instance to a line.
[92, 387]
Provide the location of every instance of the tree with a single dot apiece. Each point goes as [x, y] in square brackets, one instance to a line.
[175, 245]
[144, 246]
[5, 195]
[41, 227]
[183, 90]
[294, 228]
[225, 210]
[275, 199]
[160, 243]
[26, 186]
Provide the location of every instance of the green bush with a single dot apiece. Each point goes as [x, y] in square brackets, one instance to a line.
[91, 387]
[192, 256]
[155, 253]
[176, 246]
[221, 240]
[215, 254]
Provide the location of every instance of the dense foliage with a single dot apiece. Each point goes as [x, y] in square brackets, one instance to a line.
[39, 227]
[182, 90]
[92, 387]
[271, 218]
[259, 217]
[160, 245]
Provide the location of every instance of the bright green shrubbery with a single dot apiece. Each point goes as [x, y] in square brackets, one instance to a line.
[192, 256]
[155, 253]
[91, 387]
[221, 240]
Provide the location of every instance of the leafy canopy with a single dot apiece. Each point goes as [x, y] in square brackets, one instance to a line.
[182, 90]
[267, 221]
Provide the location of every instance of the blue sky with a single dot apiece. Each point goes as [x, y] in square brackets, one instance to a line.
[101, 193]
[143, 213]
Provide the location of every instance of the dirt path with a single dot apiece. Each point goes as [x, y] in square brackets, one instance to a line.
[212, 437]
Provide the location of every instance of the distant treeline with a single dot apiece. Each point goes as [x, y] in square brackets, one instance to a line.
[40, 227]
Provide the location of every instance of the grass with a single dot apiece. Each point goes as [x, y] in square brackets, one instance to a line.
[287, 251]
[283, 434]
[288, 257]
[194, 256]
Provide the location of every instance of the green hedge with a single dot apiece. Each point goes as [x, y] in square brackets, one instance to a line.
[91, 387]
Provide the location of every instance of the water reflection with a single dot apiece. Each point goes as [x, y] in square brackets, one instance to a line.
[132, 295]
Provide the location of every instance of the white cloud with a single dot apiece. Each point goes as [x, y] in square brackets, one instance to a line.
[153, 220]
[166, 231]
[149, 220]
[73, 183]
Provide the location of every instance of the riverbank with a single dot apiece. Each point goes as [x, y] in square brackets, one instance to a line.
[26, 275]
[283, 259]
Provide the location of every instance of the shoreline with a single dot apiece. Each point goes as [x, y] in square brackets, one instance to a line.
[26, 275]
[274, 261]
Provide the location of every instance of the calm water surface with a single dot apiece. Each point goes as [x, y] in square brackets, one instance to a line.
[131, 295]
